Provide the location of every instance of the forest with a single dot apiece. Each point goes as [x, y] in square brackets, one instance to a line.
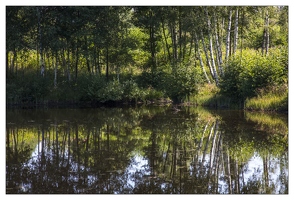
[221, 56]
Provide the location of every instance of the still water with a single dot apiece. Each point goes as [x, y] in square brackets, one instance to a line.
[146, 150]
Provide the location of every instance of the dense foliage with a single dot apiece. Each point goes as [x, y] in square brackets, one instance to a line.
[249, 72]
[137, 53]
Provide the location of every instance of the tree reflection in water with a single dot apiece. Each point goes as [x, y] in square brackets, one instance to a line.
[145, 150]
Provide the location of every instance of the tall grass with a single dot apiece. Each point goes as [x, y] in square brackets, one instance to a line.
[274, 98]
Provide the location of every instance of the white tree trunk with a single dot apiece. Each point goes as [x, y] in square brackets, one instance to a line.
[228, 36]
[218, 46]
[206, 55]
[236, 32]
[200, 58]
[215, 76]
[267, 33]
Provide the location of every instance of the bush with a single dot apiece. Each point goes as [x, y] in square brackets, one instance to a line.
[247, 73]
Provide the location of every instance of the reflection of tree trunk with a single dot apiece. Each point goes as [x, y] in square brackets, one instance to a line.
[217, 164]
[208, 139]
[199, 147]
[166, 157]
[87, 150]
[229, 171]
[15, 141]
[265, 172]
[107, 134]
[56, 143]
[78, 150]
[43, 140]
[68, 154]
[213, 145]
[236, 176]
[212, 152]
[153, 153]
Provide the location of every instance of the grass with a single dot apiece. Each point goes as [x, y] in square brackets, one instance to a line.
[269, 99]
[273, 98]
[209, 96]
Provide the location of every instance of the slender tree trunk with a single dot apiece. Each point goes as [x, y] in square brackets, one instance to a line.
[152, 41]
[77, 60]
[184, 46]
[228, 36]
[40, 40]
[218, 46]
[107, 67]
[95, 60]
[236, 32]
[174, 45]
[242, 25]
[64, 65]
[14, 60]
[215, 76]
[98, 64]
[152, 48]
[165, 39]
[55, 70]
[200, 58]
[68, 62]
[206, 55]
[267, 33]
[87, 55]
[180, 35]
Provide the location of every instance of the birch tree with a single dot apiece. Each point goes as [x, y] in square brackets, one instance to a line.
[206, 55]
[236, 31]
[265, 42]
[228, 35]
[218, 46]
[197, 52]
[215, 75]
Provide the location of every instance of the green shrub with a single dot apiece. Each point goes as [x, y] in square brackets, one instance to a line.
[247, 73]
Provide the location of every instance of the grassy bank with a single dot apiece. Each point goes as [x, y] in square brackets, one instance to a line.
[209, 96]
[268, 99]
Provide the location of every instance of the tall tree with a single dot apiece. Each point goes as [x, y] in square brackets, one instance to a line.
[236, 30]
[228, 42]
[218, 45]
[197, 52]
[215, 75]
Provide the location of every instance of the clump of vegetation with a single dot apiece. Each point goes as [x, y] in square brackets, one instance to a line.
[253, 75]
[273, 98]
[209, 96]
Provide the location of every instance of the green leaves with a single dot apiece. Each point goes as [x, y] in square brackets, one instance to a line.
[247, 73]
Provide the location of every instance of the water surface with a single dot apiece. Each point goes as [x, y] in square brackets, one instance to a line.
[146, 150]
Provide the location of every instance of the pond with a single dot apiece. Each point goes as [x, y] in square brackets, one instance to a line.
[146, 150]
